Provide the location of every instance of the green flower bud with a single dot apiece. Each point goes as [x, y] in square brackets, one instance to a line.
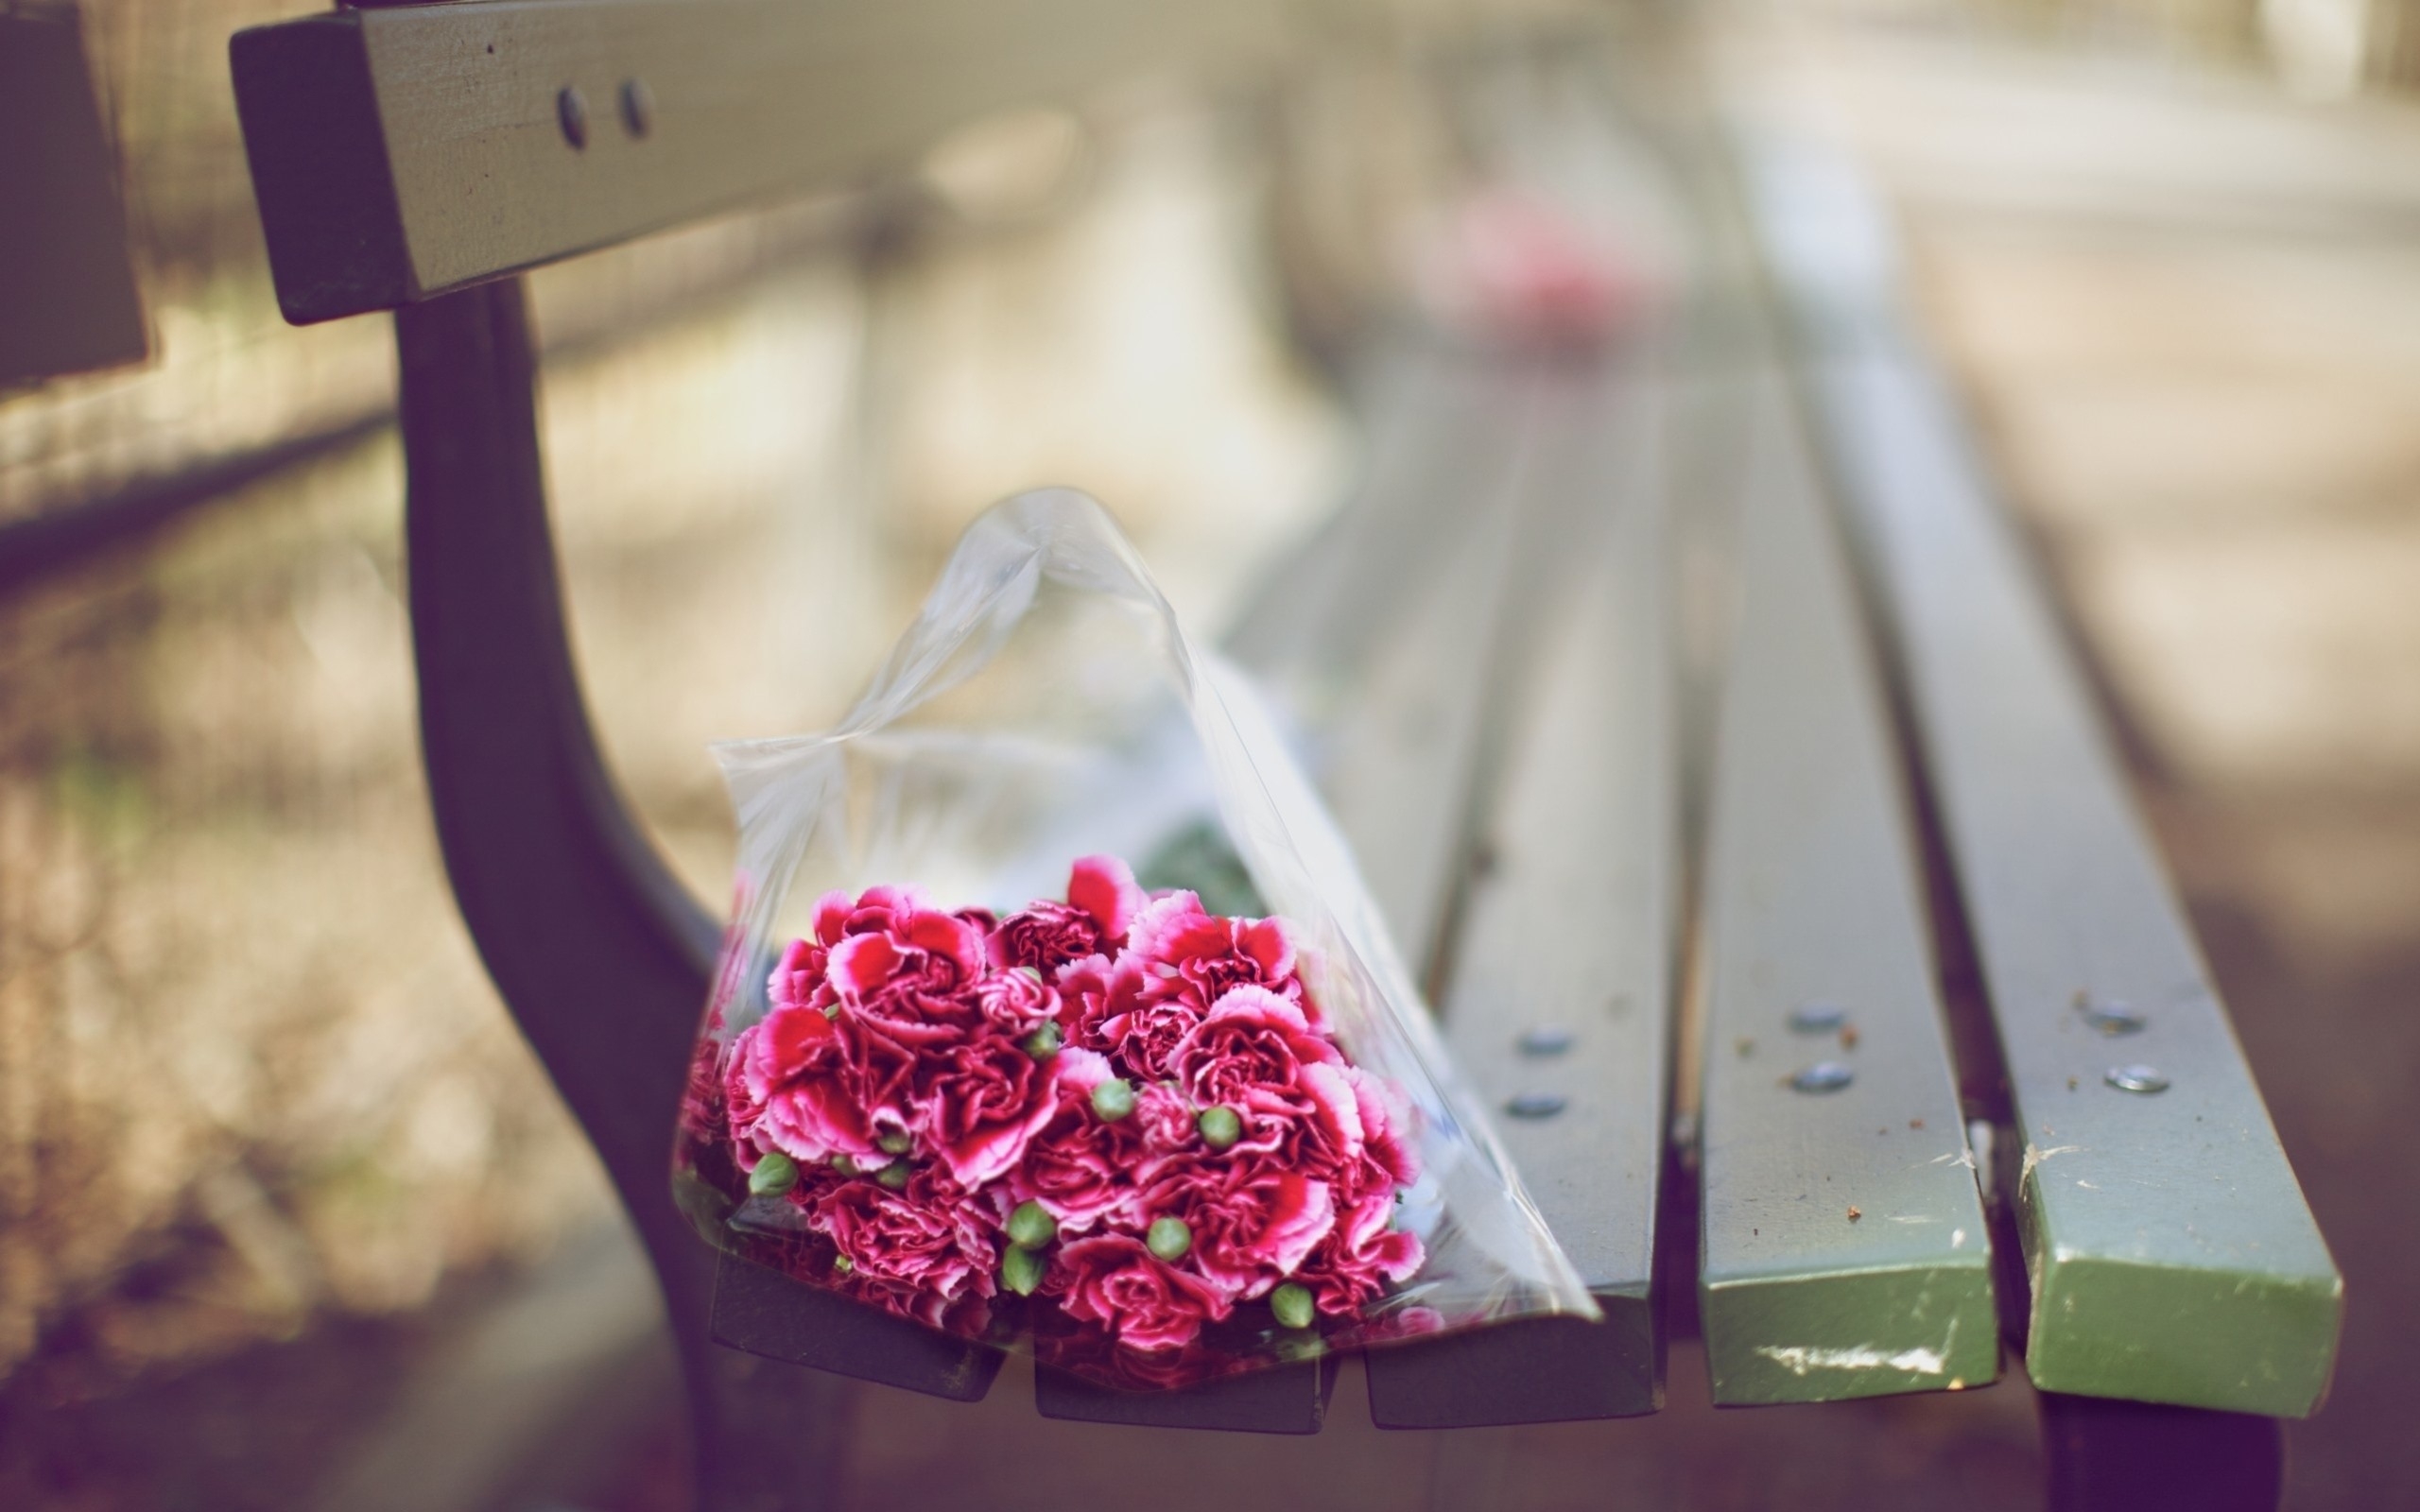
[1044, 1043]
[1032, 1225]
[1168, 1238]
[843, 1264]
[1291, 1302]
[893, 1176]
[894, 1141]
[1032, 971]
[1219, 1126]
[775, 1173]
[1021, 1270]
[1114, 1099]
[844, 1165]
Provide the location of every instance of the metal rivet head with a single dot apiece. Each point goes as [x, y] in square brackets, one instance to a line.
[1535, 1105]
[1546, 1040]
[571, 111]
[1817, 1018]
[638, 107]
[2145, 1079]
[2111, 1017]
[1823, 1076]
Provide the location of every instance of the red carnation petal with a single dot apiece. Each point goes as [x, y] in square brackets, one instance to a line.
[832, 913]
[1104, 887]
[863, 962]
[792, 1035]
[1271, 945]
[946, 935]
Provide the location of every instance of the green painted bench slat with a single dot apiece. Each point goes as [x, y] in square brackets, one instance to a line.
[1844, 1248]
[1561, 983]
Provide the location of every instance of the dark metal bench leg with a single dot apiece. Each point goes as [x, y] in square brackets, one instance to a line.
[2105, 1456]
[603, 955]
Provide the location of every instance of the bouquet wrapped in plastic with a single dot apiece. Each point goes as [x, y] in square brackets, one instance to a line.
[1054, 1014]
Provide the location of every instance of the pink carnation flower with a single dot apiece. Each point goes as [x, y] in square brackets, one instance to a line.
[1046, 935]
[1081, 1166]
[1113, 1280]
[838, 915]
[1252, 1222]
[1104, 887]
[786, 1086]
[929, 1236]
[1102, 901]
[1015, 1001]
[1117, 1015]
[1360, 1256]
[981, 1102]
[798, 980]
[910, 978]
[1166, 1118]
[1195, 957]
[1254, 1052]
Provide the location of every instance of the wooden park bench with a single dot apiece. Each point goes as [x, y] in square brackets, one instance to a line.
[1830, 994]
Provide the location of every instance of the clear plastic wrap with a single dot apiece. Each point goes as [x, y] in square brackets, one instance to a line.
[1046, 708]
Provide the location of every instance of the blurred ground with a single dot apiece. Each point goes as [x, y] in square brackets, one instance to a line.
[2177, 302]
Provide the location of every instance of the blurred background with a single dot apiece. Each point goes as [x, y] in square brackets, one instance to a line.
[285, 1204]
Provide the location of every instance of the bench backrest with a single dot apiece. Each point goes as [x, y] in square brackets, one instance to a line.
[403, 152]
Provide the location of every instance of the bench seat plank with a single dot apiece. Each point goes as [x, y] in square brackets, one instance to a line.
[1844, 1251]
[2169, 1253]
[1286, 1399]
[1384, 637]
[1567, 940]
[761, 1310]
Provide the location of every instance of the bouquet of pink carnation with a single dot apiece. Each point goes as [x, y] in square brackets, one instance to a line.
[1154, 1142]
[1123, 1107]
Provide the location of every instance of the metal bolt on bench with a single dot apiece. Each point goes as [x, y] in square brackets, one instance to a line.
[1516, 515]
